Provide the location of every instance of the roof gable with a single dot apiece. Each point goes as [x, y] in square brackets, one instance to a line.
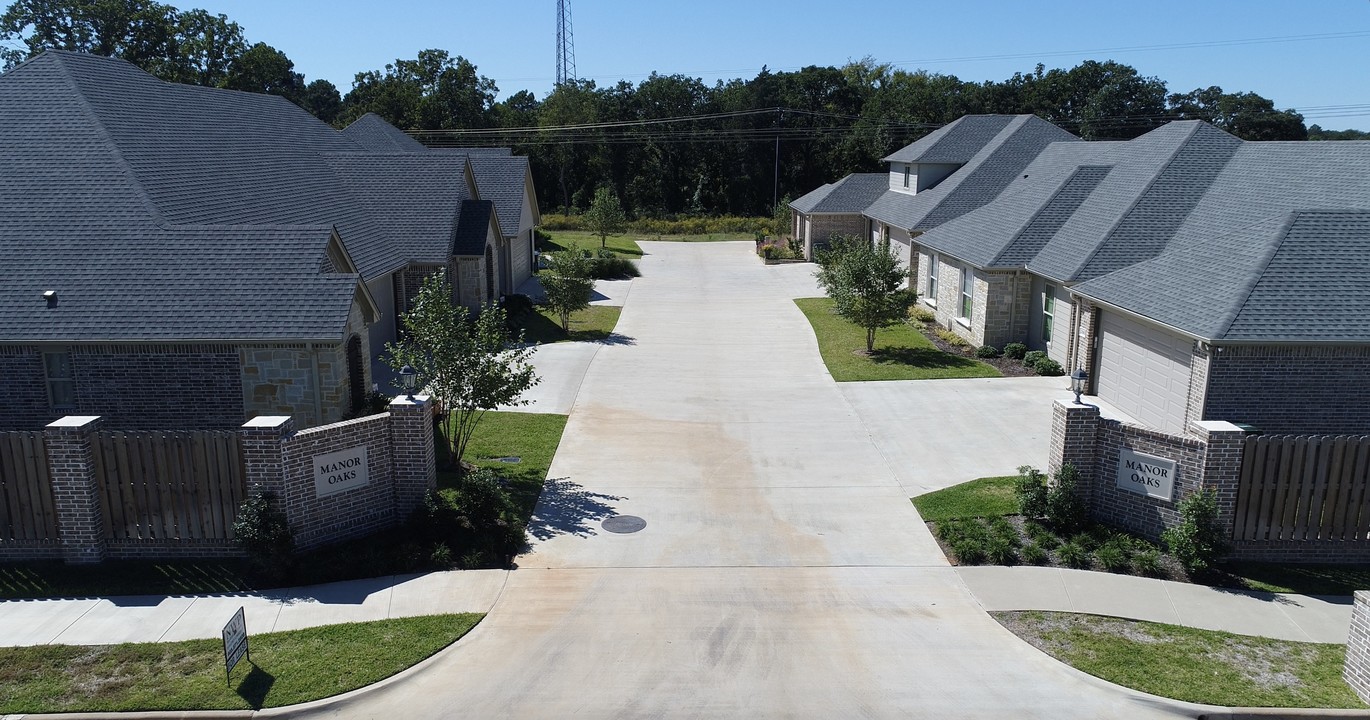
[850, 195]
[372, 132]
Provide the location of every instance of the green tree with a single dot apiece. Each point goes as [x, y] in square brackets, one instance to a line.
[568, 282]
[322, 100]
[434, 91]
[605, 216]
[1246, 115]
[864, 282]
[264, 69]
[470, 365]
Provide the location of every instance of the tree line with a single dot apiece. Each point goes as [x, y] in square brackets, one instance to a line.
[668, 145]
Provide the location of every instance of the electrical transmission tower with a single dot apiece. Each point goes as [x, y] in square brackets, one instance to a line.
[566, 45]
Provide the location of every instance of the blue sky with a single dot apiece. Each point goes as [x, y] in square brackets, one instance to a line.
[512, 41]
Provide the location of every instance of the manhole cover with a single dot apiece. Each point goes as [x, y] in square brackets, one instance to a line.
[511, 459]
[624, 524]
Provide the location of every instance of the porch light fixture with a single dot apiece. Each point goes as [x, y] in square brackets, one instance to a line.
[1077, 383]
[409, 377]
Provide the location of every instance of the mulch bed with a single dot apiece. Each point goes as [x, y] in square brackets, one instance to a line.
[1007, 366]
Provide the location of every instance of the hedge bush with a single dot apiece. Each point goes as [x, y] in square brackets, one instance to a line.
[1048, 367]
[987, 351]
[672, 225]
[1032, 357]
[1015, 351]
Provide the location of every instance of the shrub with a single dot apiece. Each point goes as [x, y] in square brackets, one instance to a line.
[615, 268]
[1001, 551]
[262, 530]
[1000, 527]
[1015, 351]
[1065, 510]
[1048, 367]
[987, 351]
[1197, 541]
[951, 338]
[922, 314]
[1042, 536]
[1031, 358]
[1115, 555]
[1072, 555]
[1030, 489]
[1034, 554]
[970, 551]
[1148, 562]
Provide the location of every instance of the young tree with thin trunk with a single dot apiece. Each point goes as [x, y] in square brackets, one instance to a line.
[864, 280]
[568, 282]
[470, 365]
[605, 216]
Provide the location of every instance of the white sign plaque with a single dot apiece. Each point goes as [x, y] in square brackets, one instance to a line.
[1146, 474]
[235, 641]
[340, 471]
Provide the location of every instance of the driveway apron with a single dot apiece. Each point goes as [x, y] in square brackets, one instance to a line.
[781, 571]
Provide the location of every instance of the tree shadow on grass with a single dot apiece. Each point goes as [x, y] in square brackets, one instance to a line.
[567, 508]
[925, 358]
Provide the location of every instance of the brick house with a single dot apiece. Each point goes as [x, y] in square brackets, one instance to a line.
[951, 171]
[175, 256]
[1194, 275]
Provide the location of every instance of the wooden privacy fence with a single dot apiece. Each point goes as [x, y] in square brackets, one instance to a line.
[26, 508]
[1304, 487]
[169, 485]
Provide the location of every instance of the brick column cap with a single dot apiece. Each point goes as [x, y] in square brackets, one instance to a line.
[1068, 403]
[403, 403]
[1215, 426]
[269, 422]
[74, 422]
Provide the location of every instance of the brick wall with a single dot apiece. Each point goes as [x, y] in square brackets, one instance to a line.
[1001, 307]
[319, 520]
[1356, 670]
[138, 387]
[1306, 389]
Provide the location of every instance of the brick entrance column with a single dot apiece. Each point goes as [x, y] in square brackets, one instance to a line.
[1224, 444]
[413, 451]
[263, 461]
[1074, 439]
[75, 488]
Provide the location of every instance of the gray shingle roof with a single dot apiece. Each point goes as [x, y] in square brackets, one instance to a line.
[985, 174]
[504, 180]
[954, 143]
[372, 132]
[173, 212]
[850, 195]
[1293, 277]
[473, 227]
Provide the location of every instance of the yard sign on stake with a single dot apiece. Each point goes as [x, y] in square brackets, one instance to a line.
[235, 643]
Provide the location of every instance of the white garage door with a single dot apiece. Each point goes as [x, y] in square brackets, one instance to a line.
[1144, 371]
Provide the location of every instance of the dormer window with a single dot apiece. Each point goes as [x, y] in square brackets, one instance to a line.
[907, 174]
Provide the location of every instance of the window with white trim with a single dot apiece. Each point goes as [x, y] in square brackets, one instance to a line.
[907, 172]
[932, 280]
[967, 292]
[1048, 311]
[60, 381]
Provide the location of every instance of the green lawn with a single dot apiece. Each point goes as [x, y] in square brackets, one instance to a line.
[621, 244]
[531, 437]
[986, 497]
[707, 237]
[286, 668]
[1200, 666]
[591, 324]
[901, 352]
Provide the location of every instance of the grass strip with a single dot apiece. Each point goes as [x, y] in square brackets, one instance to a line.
[286, 668]
[531, 437]
[591, 324]
[1200, 666]
[901, 352]
[623, 245]
[985, 497]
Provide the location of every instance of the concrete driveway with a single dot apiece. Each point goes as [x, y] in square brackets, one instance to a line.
[782, 571]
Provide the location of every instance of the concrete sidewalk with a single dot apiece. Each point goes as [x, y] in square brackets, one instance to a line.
[1301, 618]
[109, 621]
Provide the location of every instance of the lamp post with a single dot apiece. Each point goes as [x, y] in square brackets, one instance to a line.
[409, 377]
[1077, 383]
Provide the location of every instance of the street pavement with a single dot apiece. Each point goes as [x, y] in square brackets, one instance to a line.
[782, 570]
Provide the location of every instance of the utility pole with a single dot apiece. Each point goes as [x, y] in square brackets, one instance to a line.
[775, 186]
[566, 46]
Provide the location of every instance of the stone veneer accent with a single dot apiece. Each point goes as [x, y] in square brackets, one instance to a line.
[1356, 670]
[822, 228]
